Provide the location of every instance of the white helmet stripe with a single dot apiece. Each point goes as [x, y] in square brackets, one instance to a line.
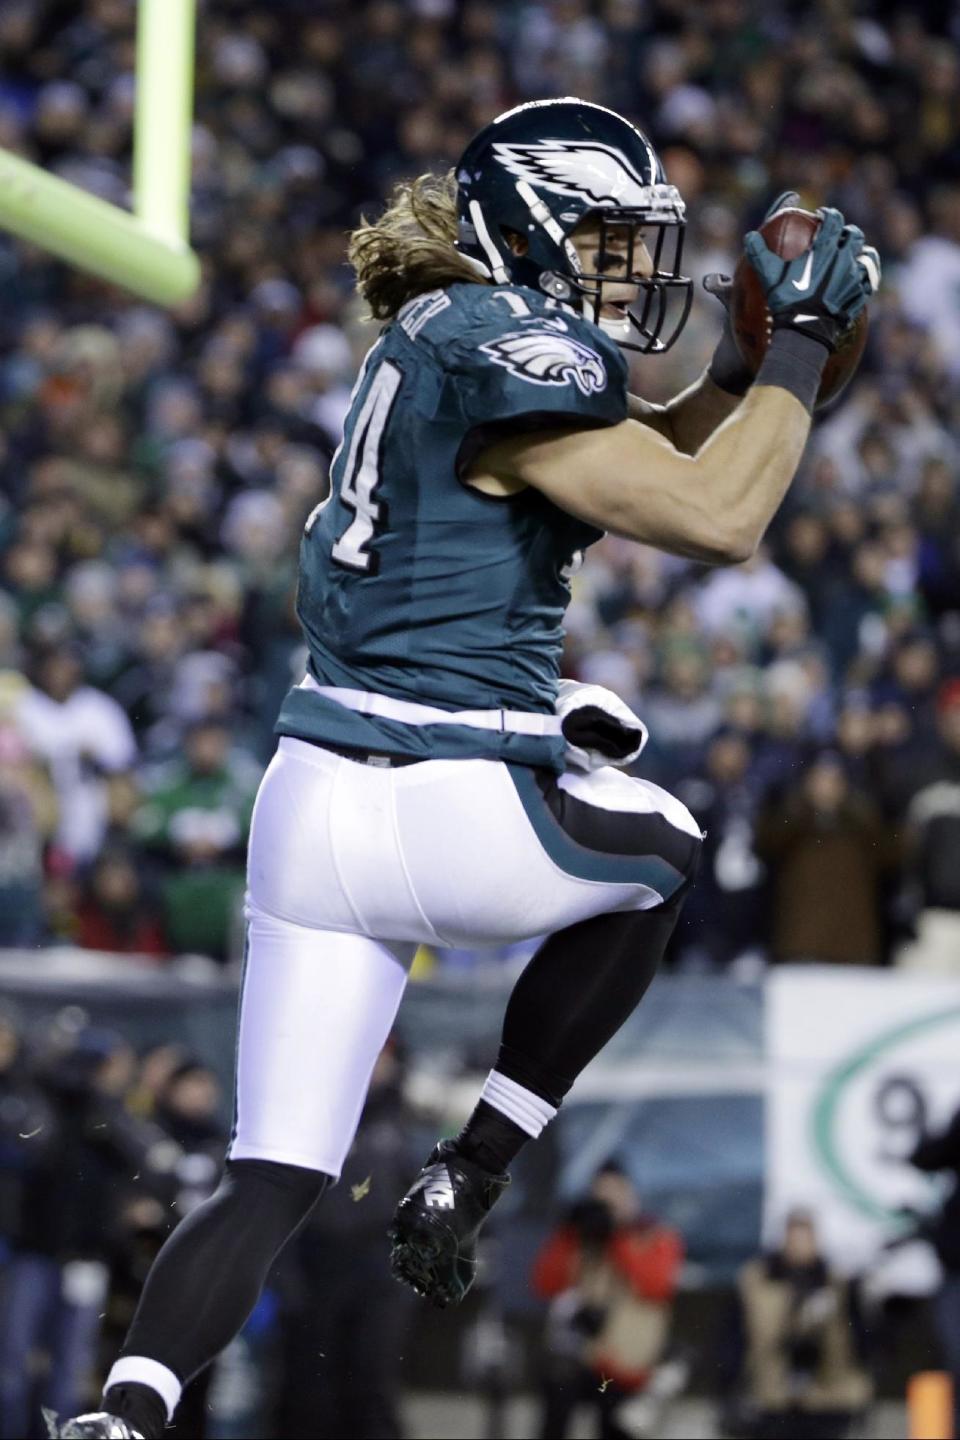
[497, 268]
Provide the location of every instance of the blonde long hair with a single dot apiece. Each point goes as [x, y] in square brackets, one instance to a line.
[410, 249]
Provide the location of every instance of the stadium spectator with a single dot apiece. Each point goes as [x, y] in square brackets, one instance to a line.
[683, 710]
[83, 736]
[189, 1110]
[610, 1272]
[195, 820]
[828, 853]
[932, 268]
[933, 844]
[719, 923]
[28, 815]
[154, 642]
[154, 1070]
[796, 1343]
[114, 913]
[747, 599]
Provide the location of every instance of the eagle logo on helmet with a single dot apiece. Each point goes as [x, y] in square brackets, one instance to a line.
[546, 357]
[592, 171]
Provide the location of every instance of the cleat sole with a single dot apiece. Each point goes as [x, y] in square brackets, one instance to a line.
[425, 1256]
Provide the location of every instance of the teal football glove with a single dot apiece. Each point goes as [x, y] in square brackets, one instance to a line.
[727, 369]
[822, 292]
[786, 200]
[721, 286]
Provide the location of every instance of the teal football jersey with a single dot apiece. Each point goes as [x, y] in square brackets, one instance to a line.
[416, 586]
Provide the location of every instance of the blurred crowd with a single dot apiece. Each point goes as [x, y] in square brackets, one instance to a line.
[103, 1150]
[141, 1140]
[156, 467]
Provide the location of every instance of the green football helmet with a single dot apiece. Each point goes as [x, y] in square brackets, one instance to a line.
[540, 170]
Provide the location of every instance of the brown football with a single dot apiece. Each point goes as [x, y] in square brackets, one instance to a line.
[789, 233]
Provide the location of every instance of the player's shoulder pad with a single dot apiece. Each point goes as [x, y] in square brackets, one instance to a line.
[530, 337]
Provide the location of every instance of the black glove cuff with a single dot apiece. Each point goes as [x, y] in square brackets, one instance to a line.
[819, 326]
[794, 362]
[727, 370]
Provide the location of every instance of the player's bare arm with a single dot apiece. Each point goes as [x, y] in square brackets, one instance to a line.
[713, 505]
[689, 418]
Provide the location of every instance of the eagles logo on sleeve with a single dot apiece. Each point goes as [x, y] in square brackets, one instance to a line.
[547, 357]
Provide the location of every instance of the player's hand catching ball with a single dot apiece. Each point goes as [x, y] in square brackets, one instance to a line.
[728, 369]
[720, 286]
[823, 290]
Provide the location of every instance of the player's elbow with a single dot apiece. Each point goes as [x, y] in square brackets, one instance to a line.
[723, 542]
[737, 545]
[717, 533]
[706, 540]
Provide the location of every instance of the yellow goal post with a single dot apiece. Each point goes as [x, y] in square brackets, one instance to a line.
[146, 250]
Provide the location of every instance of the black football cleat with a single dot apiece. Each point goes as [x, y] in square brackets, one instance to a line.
[435, 1227]
[96, 1426]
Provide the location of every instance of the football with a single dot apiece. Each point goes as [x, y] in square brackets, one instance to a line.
[788, 233]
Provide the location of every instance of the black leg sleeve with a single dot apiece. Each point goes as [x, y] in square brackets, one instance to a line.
[209, 1274]
[576, 992]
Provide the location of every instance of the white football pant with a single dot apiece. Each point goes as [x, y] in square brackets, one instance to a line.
[352, 865]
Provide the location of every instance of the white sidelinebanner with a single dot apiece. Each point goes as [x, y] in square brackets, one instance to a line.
[859, 1064]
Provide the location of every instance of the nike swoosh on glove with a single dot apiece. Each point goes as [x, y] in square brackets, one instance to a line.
[598, 727]
[822, 291]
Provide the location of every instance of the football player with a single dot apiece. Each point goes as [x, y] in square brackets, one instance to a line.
[434, 780]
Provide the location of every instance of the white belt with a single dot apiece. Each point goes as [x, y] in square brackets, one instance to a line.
[367, 702]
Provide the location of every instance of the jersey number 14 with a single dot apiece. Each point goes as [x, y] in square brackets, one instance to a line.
[361, 471]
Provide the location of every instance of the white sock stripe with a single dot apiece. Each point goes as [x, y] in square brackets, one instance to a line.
[527, 1110]
[520, 1105]
[138, 1370]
